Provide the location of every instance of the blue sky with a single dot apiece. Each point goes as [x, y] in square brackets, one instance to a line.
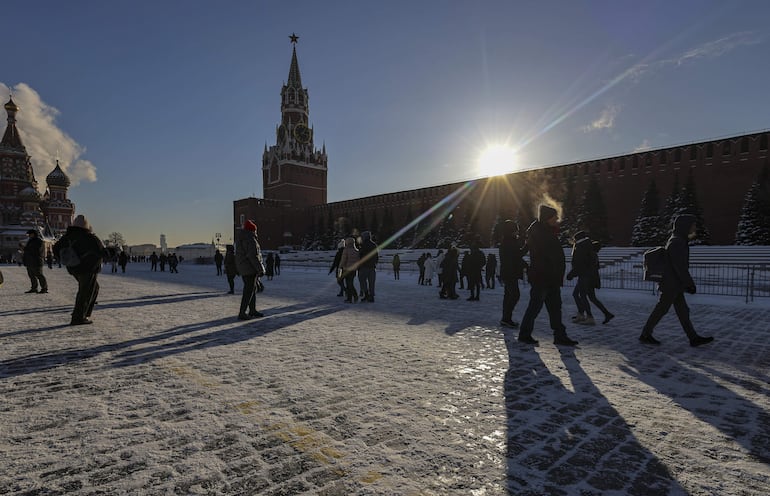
[161, 110]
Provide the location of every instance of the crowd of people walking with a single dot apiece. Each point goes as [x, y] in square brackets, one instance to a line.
[357, 256]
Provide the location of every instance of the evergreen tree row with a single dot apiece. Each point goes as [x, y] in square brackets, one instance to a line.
[652, 226]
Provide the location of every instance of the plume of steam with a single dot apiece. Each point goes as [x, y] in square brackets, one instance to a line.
[551, 202]
[44, 140]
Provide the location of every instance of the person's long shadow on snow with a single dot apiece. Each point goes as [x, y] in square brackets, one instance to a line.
[291, 315]
[559, 440]
[235, 331]
[734, 415]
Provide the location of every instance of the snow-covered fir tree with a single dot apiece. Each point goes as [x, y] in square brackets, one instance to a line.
[688, 204]
[592, 214]
[754, 223]
[646, 230]
[670, 209]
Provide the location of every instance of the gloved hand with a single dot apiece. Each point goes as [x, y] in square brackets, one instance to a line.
[691, 289]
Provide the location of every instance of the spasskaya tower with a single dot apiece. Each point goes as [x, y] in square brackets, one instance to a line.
[293, 170]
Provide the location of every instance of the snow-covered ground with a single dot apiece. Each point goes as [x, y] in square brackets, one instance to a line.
[167, 393]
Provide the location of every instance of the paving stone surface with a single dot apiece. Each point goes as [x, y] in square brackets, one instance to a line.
[167, 393]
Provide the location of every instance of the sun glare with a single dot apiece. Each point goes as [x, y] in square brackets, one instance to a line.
[497, 160]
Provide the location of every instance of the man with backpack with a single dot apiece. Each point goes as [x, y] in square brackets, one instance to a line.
[82, 253]
[675, 281]
[34, 252]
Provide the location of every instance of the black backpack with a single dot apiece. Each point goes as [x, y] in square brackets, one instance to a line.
[654, 264]
[68, 255]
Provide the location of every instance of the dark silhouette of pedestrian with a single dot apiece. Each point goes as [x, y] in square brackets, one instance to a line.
[34, 251]
[218, 258]
[337, 269]
[595, 282]
[473, 264]
[163, 259]
[545, 274]
[248, 258]
[490, 271]
[421, 267]
[90, 254]
[511, 251]
[396, 267]
[230, 269]
[676, 281]
[349, 264]
[367, 268]
[173, 264]
[154, 262]
[122, 261]
[277, 264]
[581, 268]
[449, 280]
[269, 266]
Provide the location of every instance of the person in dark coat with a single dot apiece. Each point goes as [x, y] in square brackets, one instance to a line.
[49, 259]
[473, 264]
[248, 258]
[277, 264]
[173, 263]
[337, 269]
[91, 252]
[396, 267]
[421, 267]
[490, 271]
[349, 262]
[545, 274]
[269, 266]
[154, 262]
[218, 258]
[448, 282]
[122, 261]
[594, 282]
[581, 268]
[34, 252]
[676, 281]
[367, 268]
[512, 250]
[163, 259]
[230, 269]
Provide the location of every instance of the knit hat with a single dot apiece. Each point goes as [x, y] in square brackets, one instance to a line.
[249, 225]
[546, 213]
[580, 235]
[82, 222]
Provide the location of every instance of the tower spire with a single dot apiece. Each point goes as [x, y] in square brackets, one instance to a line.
[11, 138]
[295, 80]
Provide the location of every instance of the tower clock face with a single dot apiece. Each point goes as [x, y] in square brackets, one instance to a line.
[302, 133]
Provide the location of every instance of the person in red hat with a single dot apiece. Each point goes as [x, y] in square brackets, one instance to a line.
[248, 259]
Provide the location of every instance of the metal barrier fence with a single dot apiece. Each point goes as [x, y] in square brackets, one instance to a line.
[748, 281]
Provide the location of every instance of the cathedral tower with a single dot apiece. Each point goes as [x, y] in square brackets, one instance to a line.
[293, 170]
[19, 198]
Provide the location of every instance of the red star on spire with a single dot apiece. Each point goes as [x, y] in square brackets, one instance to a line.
[294, 38]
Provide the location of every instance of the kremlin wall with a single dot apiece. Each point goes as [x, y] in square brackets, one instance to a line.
[294, 176]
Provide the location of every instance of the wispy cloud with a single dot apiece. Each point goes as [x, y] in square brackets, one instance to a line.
[605, 121]
[720, 47]
[44, 140]
[644, 146]
[708, 50]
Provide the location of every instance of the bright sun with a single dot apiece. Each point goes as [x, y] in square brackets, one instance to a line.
[497, 160]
